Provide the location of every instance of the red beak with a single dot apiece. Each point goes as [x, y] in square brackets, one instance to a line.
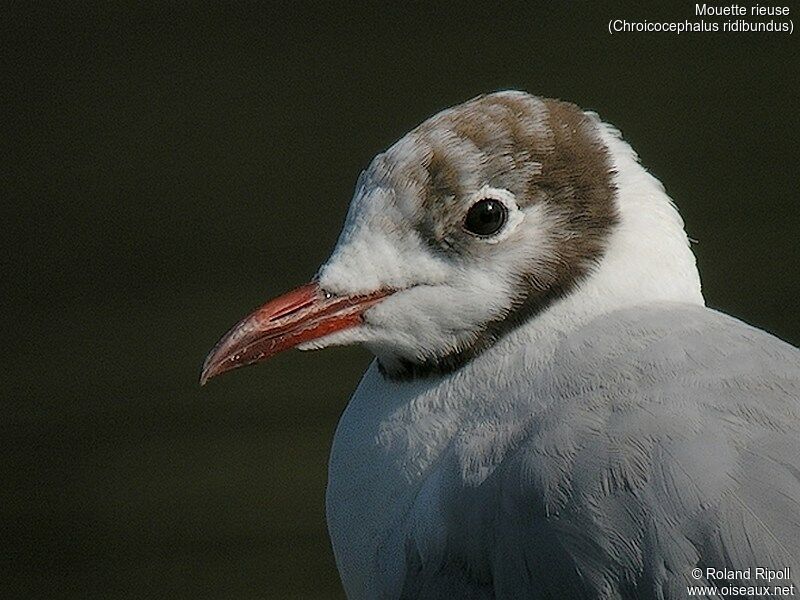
[304, 314]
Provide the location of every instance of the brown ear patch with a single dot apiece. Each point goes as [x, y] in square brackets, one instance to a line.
[576, 182]
[542, 150]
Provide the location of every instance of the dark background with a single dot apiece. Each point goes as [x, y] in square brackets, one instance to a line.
[168, 168]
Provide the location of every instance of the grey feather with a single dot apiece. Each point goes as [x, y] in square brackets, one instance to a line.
[672, 447]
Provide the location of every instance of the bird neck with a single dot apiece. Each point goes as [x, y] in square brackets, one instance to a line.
[647, 259]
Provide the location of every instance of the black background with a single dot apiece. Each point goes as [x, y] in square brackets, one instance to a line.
[169, 167]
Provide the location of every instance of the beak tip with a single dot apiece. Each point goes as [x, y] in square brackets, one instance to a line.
[209, 371]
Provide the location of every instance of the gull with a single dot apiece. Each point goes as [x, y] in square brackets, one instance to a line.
[552, 411]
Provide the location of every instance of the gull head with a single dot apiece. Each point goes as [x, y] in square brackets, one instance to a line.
[475, 222]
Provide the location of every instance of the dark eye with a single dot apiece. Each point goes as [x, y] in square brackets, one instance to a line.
[486, 217]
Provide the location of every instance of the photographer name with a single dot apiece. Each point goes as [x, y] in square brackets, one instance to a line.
[759, 573]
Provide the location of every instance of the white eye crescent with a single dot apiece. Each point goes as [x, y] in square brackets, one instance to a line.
[511, 219]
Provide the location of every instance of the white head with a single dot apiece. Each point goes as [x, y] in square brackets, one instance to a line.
[484, 217]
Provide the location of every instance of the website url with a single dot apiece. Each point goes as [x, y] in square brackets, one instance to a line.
[701, 591]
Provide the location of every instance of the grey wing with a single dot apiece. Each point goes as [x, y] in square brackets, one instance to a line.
[670, 443]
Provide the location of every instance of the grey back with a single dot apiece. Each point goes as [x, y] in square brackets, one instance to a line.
[666, 438]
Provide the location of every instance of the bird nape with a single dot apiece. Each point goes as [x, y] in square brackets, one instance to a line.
[552, 412]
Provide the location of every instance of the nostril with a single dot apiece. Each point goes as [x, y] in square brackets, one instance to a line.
[290, 304]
